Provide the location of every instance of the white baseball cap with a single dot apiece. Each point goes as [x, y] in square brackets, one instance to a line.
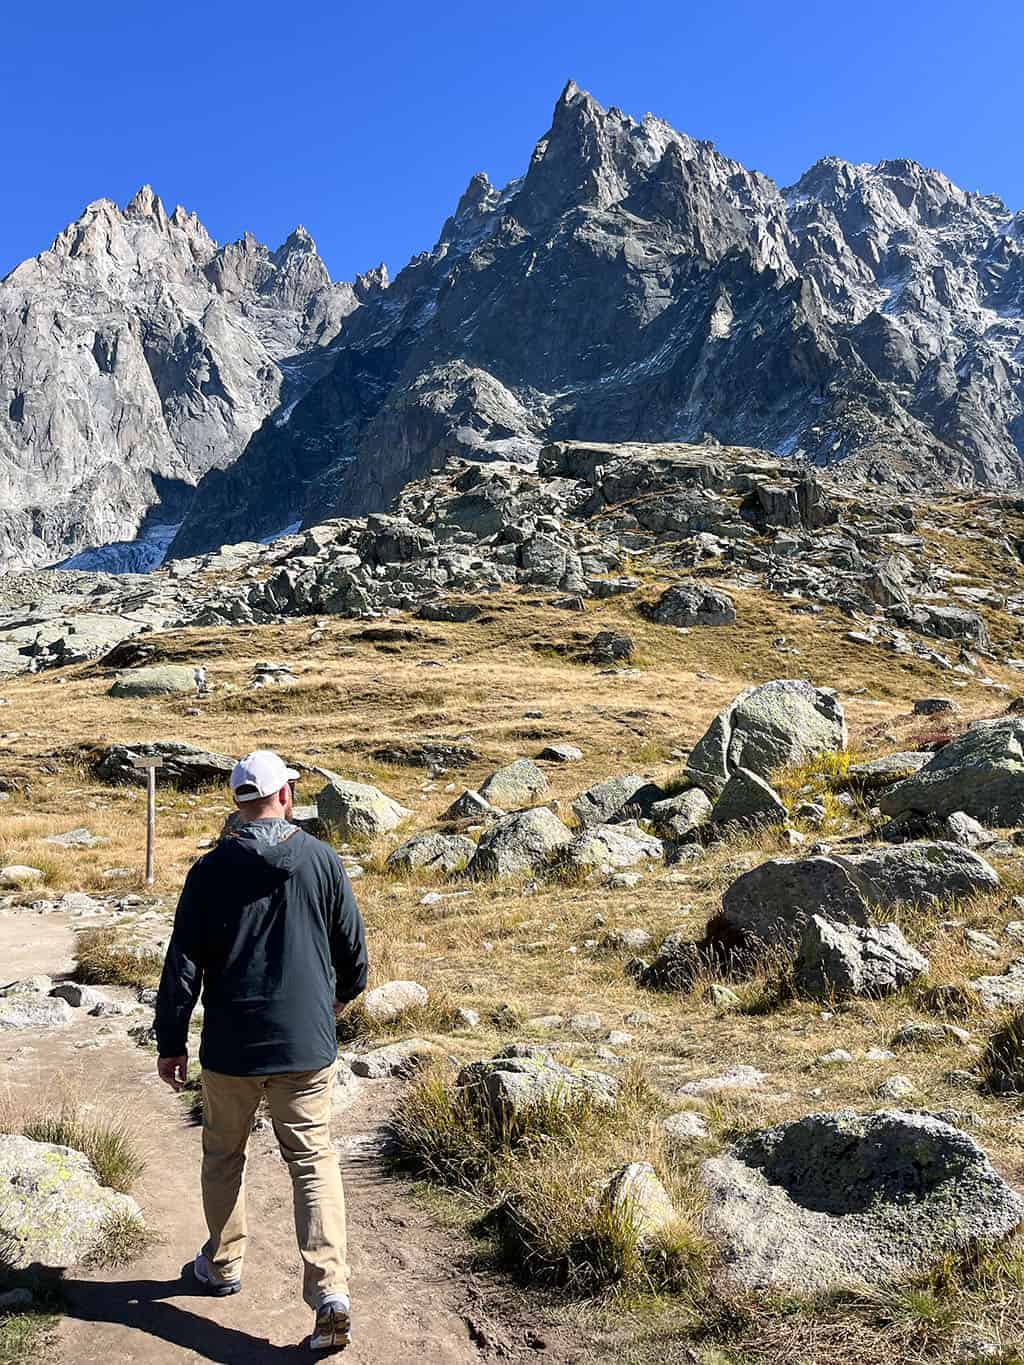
[260, 774]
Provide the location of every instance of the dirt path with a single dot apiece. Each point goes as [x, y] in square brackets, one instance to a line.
[415, 1297]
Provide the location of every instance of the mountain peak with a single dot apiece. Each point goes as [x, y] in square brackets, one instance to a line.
[371, 283]
[145, 204]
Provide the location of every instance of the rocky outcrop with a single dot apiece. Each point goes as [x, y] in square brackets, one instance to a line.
[837, 1201]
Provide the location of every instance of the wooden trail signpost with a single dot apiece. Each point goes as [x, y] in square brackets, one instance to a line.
[150, 766]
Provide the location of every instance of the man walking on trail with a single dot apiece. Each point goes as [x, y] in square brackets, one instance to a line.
[268, 927]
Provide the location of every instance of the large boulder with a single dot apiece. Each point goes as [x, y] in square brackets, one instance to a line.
[837, 1201]
[183, 765]
[53, 1210]
[609, 848]
[357, 810]
[517, 1078]
[774, 901]
[766, 728]
[693, 604]
[516, 784]
[159, 680]
[981, 773]
[927, 873]
[431, 852]
[617, 798]
[844, 960]
[520, 843]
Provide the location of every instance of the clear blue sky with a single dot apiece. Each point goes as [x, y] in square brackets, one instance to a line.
[364, 122]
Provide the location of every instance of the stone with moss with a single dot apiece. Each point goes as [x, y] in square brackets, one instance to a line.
[768, 727]
[843, 1200]
[53, 1210]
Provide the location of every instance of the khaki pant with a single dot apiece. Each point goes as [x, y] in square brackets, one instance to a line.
[300, 1107]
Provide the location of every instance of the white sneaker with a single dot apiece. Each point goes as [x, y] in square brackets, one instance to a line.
[332, 1330]
[210, 1280]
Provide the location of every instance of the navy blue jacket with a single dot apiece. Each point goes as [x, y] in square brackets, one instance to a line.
[268, 928]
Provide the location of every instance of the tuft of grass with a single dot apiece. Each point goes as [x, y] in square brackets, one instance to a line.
[535, 1173]
[26, 1334]
[1003, 1061]
[108, 1144]
[551, 1230]
[123, 1239]
[441, 1134]
[106, 958]
[438, 1015]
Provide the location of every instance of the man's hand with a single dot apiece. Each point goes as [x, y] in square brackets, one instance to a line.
[173, 1071]
[339, 1010]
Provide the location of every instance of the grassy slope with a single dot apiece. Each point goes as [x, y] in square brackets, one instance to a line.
[492, 946]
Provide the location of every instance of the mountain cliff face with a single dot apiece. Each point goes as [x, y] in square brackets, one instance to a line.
[638, 285]
[633, 285]
[136, 355]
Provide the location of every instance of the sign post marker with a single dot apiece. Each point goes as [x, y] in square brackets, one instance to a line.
[150, 766]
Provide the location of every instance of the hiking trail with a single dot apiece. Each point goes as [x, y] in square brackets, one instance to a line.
[415, 1294]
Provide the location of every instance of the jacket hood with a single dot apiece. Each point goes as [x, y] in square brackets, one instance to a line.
[263, 853]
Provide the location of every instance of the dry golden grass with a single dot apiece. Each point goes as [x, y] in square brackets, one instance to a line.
[516, 952]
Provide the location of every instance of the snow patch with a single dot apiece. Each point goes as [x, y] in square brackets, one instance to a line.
[126, 556]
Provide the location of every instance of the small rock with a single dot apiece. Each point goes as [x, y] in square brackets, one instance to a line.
[732, 1078]
[682, 1130]
[915, 1035]
[896, 1088]
[78, 996]
[397, 1059]
[560, 753]
[19, 874]
[387, 1003]
[722, 997]
[636, 1193]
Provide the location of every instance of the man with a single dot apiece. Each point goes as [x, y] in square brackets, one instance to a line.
[268, 926]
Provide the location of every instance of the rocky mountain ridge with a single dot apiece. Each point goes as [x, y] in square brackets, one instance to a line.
[632, 285]
[638, 285]
[135, 355]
